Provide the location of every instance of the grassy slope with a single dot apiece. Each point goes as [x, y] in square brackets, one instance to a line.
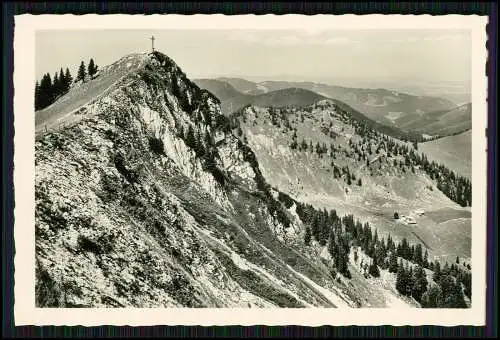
[64, 109]
[441, 122]
[455, 152]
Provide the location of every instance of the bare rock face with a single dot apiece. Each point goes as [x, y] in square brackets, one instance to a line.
[146, 198]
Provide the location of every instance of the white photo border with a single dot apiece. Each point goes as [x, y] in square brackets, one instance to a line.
[25, 312]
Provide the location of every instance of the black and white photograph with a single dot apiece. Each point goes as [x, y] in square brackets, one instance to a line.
[260, 168]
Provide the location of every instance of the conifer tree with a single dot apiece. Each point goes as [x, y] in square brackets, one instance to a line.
[409, 280]
[45, 91]
[437, 272]
[55, 87]
[452, 293]
[332, 247]
[81, 72]
[446, 268]
[199, 147]
[417, 254]
[432, 297]
[419, 283]
[92, 68]
[373, 270]
[68, 79]
[62, 82]
[390, 243]
[190, 138]
[401, 279]
[393, 263]
[344, 255]
[37, 96]
[380, 255]
[307, 236]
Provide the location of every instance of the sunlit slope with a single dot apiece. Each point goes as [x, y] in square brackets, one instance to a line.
[453, 151]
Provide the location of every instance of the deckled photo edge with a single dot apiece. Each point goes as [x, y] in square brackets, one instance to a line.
[24, 70]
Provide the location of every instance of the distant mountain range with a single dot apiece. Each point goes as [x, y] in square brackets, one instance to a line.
[233, 99]
[244, 86]
[422, 114]
[456, 91]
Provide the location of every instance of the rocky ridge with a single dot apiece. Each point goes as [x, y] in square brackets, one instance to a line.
[132, 210]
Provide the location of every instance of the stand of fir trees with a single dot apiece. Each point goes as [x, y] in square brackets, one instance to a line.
[48, 89]
[409, 262]
[451, 284]
[455, 187]
[402, 156]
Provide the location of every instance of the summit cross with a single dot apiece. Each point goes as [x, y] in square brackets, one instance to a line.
[152, 43]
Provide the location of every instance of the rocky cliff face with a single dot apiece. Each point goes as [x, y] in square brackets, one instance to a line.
[146, 198]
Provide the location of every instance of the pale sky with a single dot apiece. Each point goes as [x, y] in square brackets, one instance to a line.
[431, 56]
